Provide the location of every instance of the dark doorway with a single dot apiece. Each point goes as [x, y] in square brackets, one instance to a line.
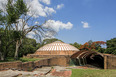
[95, 60]
[91, 58]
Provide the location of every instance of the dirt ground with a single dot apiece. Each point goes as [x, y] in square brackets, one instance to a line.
[54, 71]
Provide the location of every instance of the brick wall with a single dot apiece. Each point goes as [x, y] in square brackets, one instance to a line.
[10, 65]
[60, 61]
[28, 66]
[109, 61]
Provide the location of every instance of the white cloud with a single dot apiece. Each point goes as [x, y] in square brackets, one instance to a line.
[2, 4]
[49, 35]
[49, 10]
[37, 9]
[85, 24]
[46, 1]
[20, 25]
[31, 34]
[57, 25]
[36, 22]
[60, 6]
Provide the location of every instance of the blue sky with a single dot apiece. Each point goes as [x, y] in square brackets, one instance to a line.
[74, 20]
[99, 14]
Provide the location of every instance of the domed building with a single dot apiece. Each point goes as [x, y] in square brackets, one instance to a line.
[57, 48]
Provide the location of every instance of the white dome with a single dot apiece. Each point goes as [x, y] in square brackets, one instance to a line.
[58, 46]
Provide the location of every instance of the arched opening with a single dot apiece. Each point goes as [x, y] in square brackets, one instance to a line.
[88, 57]
[95, 60]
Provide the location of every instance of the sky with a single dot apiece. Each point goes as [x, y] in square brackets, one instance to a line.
[76, 20]
[92, 20]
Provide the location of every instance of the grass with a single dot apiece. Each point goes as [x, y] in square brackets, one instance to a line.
[21, 59]
[93, 73]
[30, 59]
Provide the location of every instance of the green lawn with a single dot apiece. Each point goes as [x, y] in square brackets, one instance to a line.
[93, 73]
[22, 59]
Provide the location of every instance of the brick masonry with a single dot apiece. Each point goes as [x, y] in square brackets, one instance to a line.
[109, 61]
[28, 66]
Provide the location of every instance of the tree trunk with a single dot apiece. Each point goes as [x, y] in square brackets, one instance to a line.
[18, 43]
[1, 56]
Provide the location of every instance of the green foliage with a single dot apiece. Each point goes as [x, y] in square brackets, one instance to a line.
[29, 59]
[7, 45]
[101, 50]
[12, 13]
[5, 42]
[76, 45]
[111, 43]
[17, 35]
[21, 7]
[15, 10]
[11, 59]
[2, 18]
[111, 46]
[28, 46]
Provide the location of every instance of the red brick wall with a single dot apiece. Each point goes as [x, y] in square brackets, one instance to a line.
[28, 66]
[10, 65]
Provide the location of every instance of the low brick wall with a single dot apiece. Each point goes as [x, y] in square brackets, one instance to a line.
[10, 65]
[28, 66]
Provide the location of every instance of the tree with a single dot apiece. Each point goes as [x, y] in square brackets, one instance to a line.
[94, 46]
[22, 23]
[111, 46]
[14, 12]
[76, 45]
[5, 42]
[28, 46]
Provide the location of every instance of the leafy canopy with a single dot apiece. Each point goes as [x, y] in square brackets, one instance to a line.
[111, 46]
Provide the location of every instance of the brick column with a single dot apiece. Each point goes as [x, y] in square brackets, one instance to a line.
[105, 62]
